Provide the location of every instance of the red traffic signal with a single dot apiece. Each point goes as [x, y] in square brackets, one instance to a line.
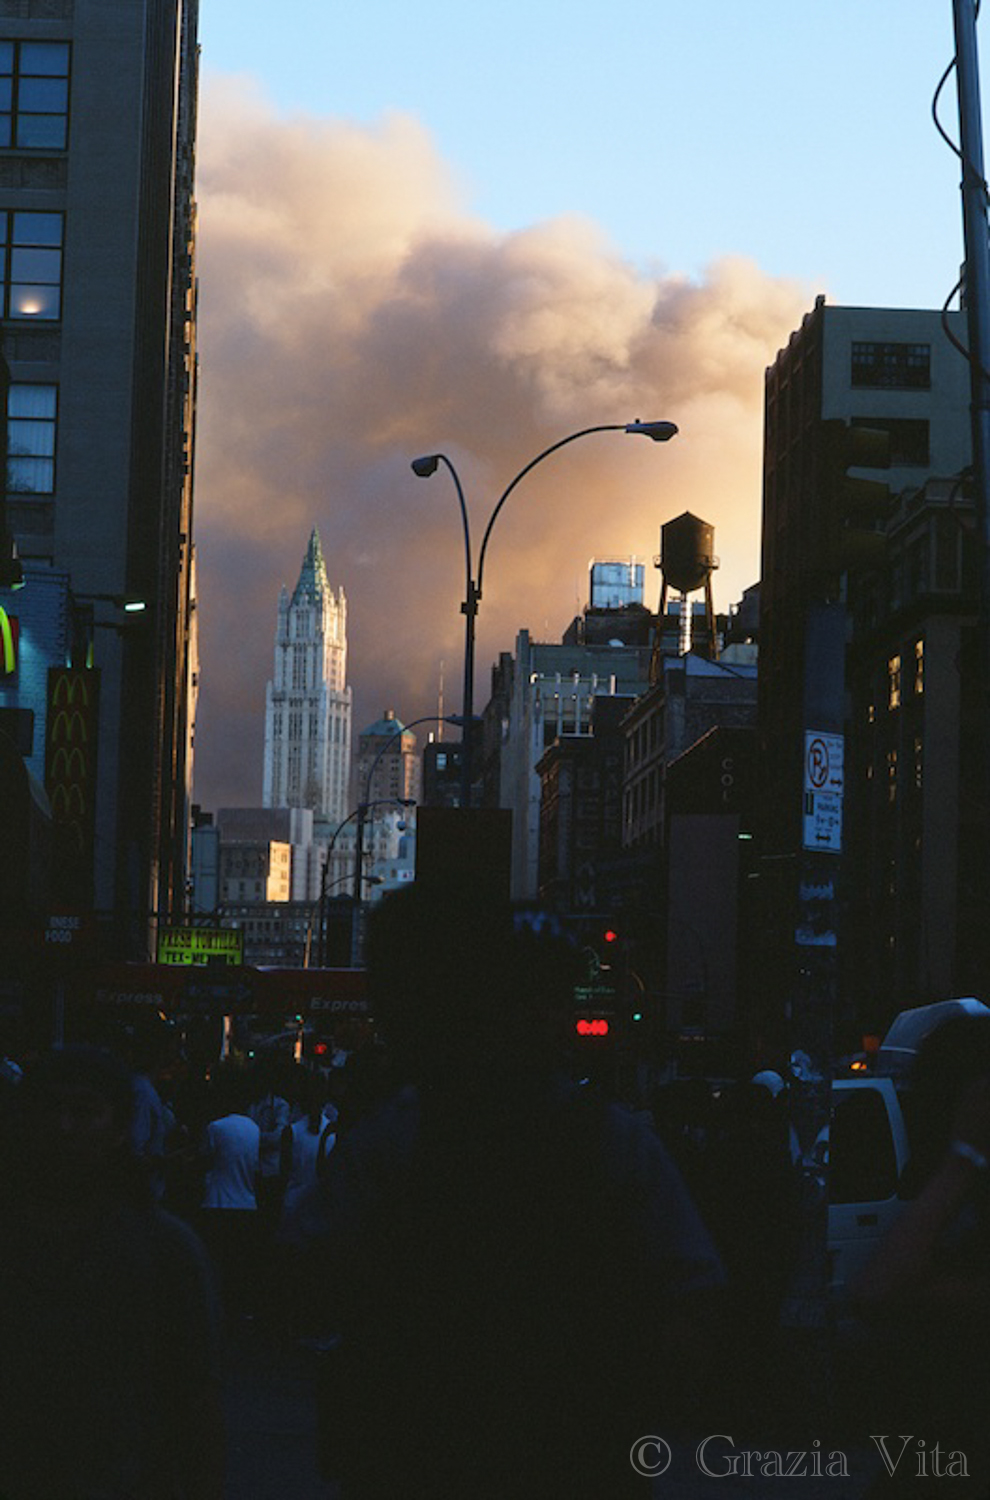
[591, 1026]
[610, 935]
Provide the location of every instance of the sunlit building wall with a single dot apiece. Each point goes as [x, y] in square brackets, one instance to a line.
[308, 702]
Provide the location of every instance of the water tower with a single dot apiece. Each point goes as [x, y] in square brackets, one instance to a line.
[687, 561]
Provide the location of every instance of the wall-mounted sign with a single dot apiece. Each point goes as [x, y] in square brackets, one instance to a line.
[9, 633]
[823, 785]
[200, 945]
[70, 772]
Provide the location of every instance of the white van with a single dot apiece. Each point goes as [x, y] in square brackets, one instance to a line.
[868, 1151]
[908, 1030]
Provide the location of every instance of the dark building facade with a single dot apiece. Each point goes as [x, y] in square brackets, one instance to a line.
[894, 370]
[918, 913]
[98, 219]
[581, 815]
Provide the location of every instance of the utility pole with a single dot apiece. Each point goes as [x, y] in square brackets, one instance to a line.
[977, 285]
[977, 299]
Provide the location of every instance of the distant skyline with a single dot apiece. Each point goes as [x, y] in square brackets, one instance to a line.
[428, 228]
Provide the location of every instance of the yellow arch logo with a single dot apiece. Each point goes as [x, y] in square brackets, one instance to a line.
[8, 655]
[66, 724]
[66, 687]
[68, 765]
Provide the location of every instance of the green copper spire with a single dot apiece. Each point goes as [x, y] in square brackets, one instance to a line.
[313, 582]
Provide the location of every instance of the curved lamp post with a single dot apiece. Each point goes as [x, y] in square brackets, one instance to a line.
[423, 468]
[362, 808]
[366, 804]
[360, 812]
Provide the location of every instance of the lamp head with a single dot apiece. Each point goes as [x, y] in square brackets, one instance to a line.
[660, 432]
[11, 571]
[425, 466]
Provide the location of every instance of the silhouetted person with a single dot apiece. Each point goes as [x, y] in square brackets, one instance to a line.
[108, 1316]
[307, 1142]
[747, 1190]
[229, 1219]
[518, 1275]
[927, 1289]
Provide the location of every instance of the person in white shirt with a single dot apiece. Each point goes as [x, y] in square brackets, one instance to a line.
[229, 1208]
[306, 1144]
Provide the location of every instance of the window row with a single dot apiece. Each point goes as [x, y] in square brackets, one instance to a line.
[34, 95]
[890, 366]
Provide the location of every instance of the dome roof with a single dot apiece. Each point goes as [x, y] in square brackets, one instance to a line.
[388, 724]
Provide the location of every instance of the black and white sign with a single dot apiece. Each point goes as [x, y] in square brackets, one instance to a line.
[822, 796]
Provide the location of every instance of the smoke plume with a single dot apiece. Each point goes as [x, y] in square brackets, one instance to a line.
[353, 315]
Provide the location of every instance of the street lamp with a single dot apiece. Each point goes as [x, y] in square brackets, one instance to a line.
[362, 817]
[360, 813]
[423, 468]
[85, 621]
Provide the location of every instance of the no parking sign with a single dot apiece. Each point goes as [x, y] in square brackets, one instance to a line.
[823, 784]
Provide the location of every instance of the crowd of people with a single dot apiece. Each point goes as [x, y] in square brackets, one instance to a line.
[517, 1277]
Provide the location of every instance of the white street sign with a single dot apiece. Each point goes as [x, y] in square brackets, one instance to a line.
[822, 794]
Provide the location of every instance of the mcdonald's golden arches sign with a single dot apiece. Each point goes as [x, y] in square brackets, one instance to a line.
[70, 750]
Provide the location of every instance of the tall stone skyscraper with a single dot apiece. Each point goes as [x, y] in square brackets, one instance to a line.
[308, 704]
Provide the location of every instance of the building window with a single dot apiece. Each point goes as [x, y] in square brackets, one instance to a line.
[902, 367]
[919, 759]
[919, 666]
[31, 245]
[891, 776]
[894, 682]
[34, 95]
[909, 438]
[31, 420]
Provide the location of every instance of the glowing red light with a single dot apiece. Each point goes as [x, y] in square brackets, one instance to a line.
[610, 935]
[596, 1027]
[321, 1049]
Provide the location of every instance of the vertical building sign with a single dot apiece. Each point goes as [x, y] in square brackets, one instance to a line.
[70, 756]
[9, 636]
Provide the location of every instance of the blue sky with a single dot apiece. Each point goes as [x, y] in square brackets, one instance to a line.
[796, 134]
[477, 228]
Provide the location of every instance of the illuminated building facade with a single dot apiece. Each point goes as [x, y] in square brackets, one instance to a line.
[308, 702]
[97, 221]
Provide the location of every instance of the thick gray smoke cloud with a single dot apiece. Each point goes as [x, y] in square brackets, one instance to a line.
[352, 316]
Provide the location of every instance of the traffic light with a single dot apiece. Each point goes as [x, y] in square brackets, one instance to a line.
[597, 1026]
[858, 508]
[318, 1048]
